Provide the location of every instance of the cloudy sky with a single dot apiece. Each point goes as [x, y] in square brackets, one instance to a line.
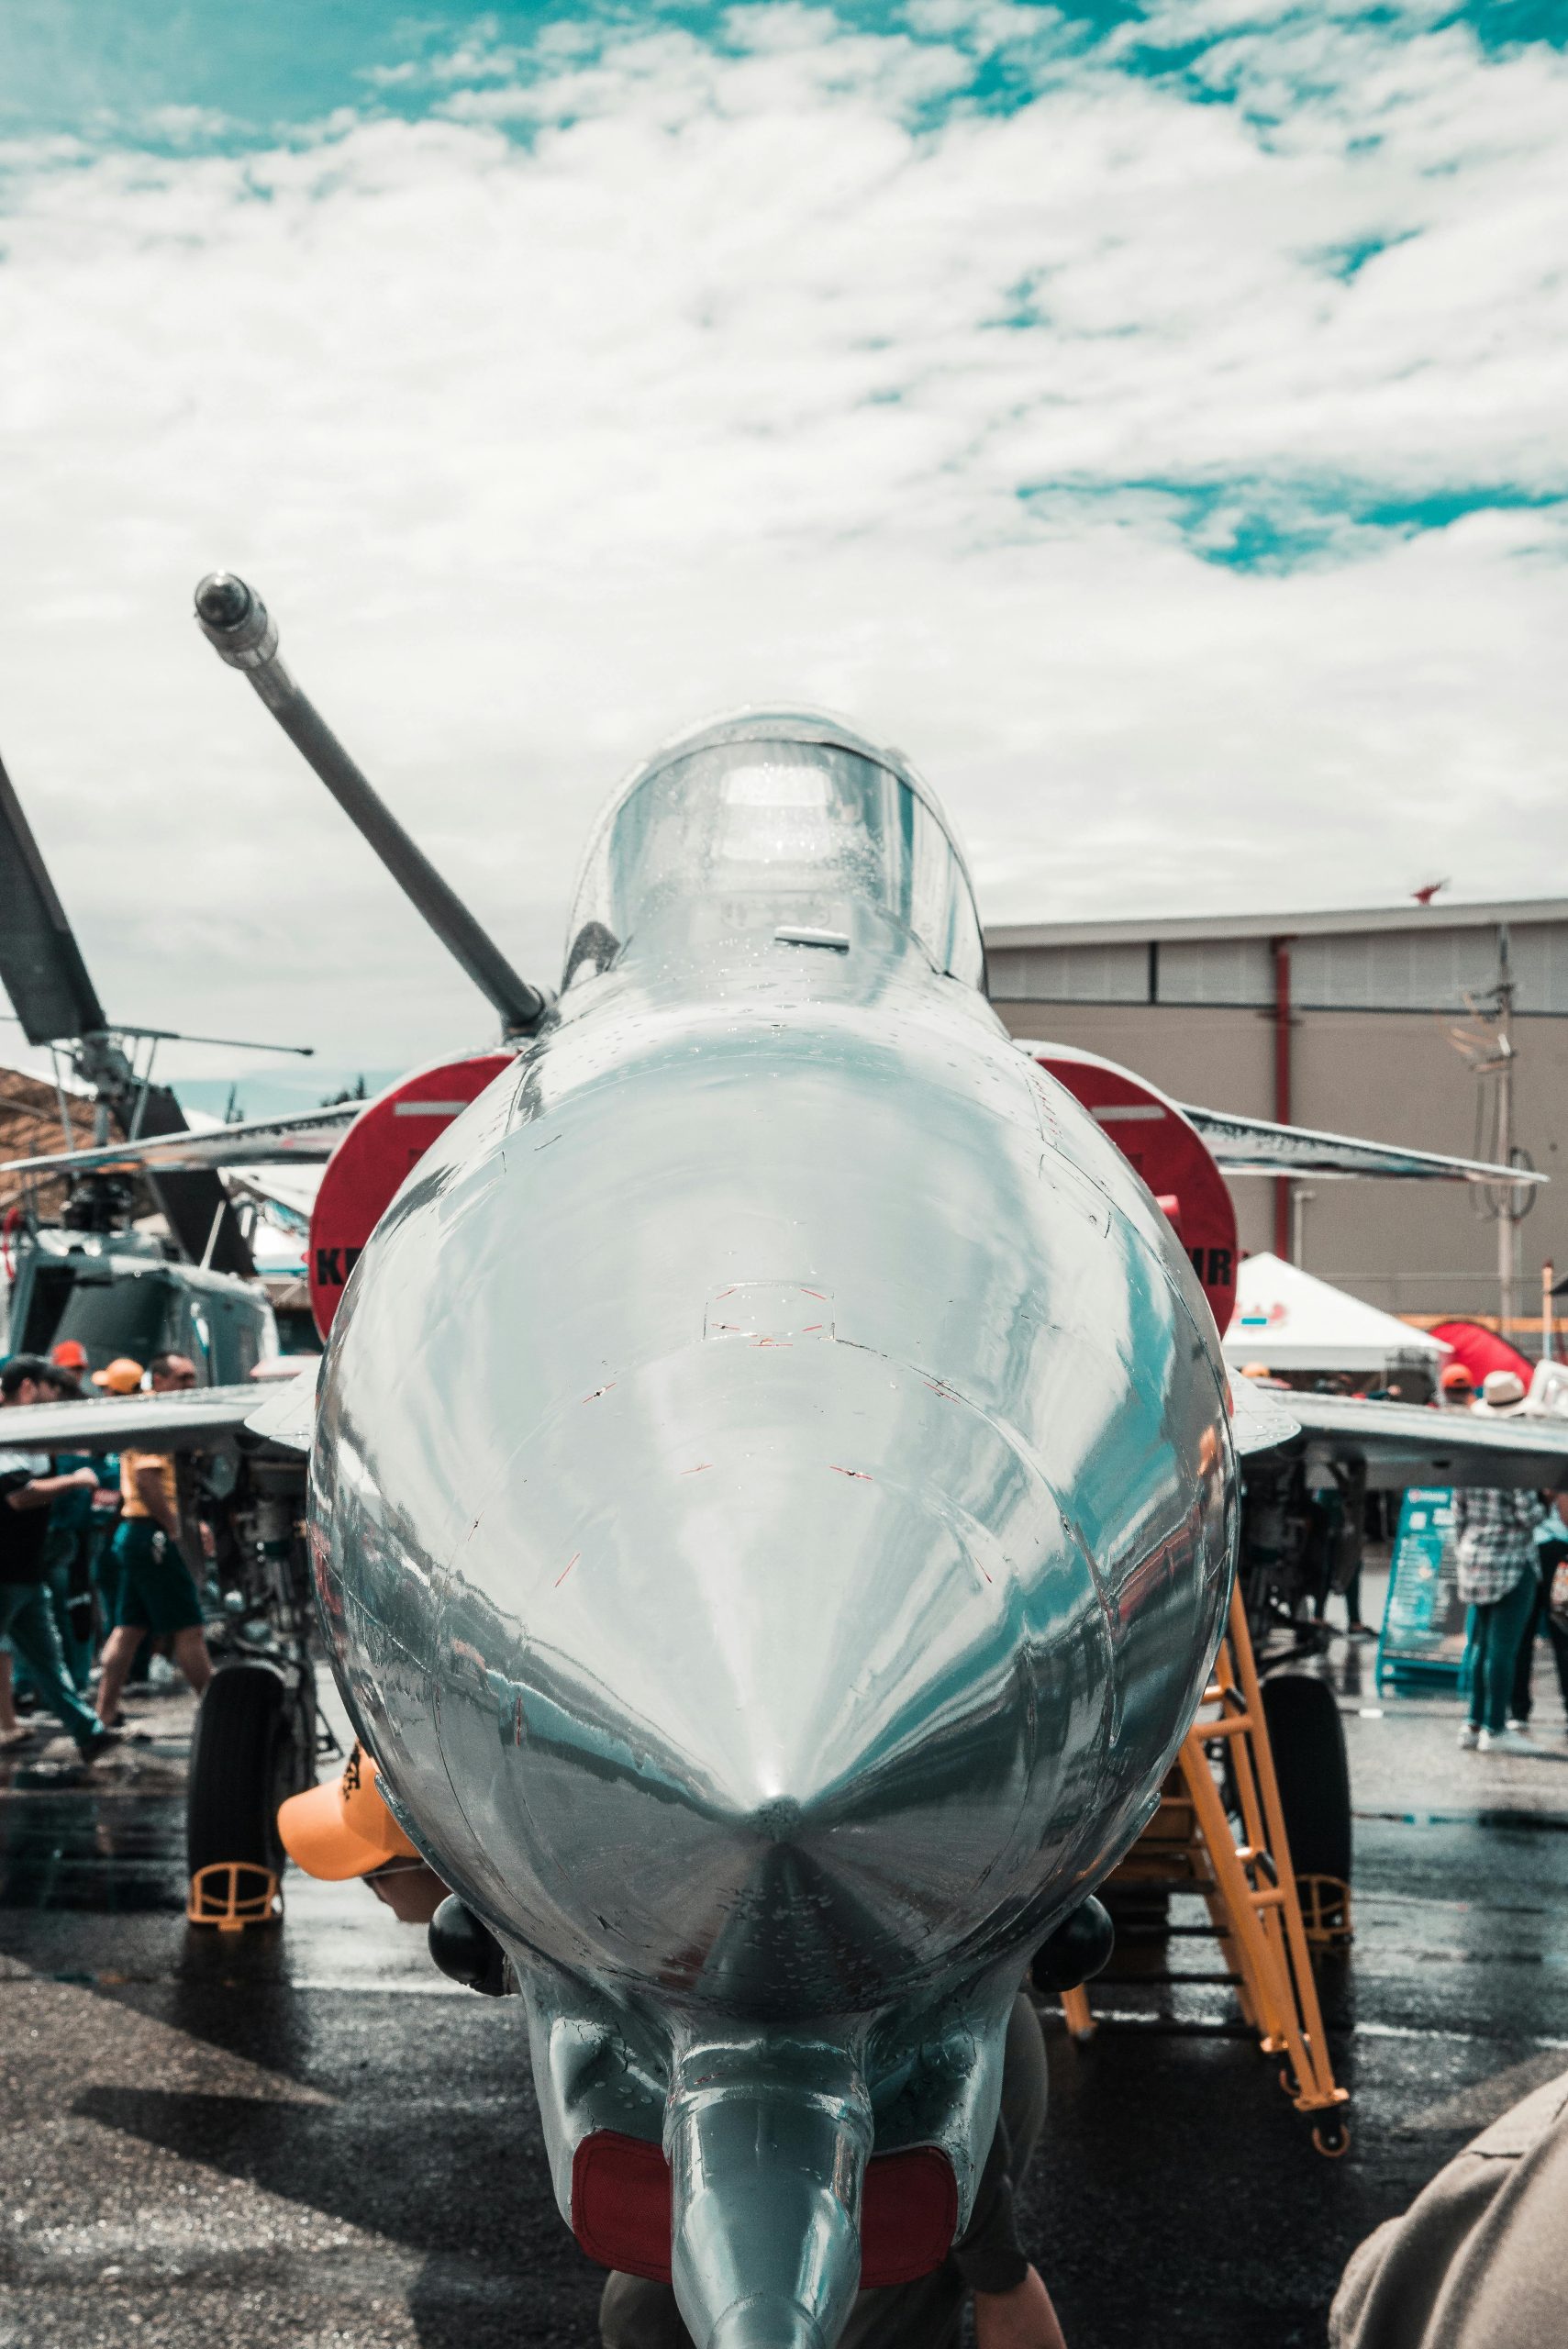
[1152, 418]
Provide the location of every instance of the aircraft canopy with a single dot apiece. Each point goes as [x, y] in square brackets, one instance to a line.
[777, 815]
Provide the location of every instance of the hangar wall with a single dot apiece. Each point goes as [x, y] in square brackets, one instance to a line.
[1373, 998]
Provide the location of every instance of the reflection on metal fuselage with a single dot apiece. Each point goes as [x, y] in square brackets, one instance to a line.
[774, 1509]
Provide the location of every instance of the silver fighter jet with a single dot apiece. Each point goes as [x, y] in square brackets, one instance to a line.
[773, 1506]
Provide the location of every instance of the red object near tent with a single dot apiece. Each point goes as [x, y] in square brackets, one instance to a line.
[1482, 1350]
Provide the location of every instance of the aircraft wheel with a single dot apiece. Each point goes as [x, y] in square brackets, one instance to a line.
[1308, 1738]
[243, 1762]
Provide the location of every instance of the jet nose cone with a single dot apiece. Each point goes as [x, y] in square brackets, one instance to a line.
[752, 1667]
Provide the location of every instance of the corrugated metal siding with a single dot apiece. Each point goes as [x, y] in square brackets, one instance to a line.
[1372, 970]
[1070, 974]
[1392, 971]
[1540, 965]
[1217, 970]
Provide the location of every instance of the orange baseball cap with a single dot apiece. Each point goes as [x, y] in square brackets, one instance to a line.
[343, 1828]
[1454, 1374]
[70, 1354]
[122, 1377]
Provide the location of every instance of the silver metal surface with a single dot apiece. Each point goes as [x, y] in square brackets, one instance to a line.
[1406, 1443]
[1399, 1444]
[774, 1508]
[1261, 1419]
[202, 1417]
[1259, 1146]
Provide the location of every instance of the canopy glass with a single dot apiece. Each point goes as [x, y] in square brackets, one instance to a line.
[776, 821]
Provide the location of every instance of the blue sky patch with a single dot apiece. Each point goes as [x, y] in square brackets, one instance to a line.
[1278, 528]
[178, 75]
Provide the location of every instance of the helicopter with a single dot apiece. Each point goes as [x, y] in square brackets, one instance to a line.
[772, 1495]
[93, 1275]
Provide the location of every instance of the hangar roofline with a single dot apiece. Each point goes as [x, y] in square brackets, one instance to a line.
[1341, 921]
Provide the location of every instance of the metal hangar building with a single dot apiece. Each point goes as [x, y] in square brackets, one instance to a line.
[1356, 1022]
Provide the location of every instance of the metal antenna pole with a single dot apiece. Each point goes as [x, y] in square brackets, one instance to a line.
[1507, 1217]
[1300, 1199]
[234, 619]
[1488, 1045]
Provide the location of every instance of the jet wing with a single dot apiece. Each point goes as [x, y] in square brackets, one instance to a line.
[1404, 1443]
[1257, 1146]
[1261, 1420]
[201, 1418]
[305, 1140]
[286, 1420]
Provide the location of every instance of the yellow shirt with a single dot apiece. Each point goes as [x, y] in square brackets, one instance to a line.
[131, 1499]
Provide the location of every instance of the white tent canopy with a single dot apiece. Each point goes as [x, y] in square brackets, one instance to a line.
[1291, 1321]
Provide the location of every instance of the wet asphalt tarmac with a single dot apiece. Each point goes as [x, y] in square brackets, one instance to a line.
[304, 2136]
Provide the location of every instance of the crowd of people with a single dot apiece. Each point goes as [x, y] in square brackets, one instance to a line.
[92, 1572]
[1508, 1545]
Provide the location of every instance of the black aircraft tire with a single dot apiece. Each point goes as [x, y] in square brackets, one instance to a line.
[1312, 1769]
[241, 1767]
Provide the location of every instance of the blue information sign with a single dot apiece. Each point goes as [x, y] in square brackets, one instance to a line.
[1422, 1640]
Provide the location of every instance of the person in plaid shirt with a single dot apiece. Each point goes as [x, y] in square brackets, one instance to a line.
[1496, 1574]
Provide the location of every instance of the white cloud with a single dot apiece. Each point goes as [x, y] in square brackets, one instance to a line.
[703, 391]
[184, 126]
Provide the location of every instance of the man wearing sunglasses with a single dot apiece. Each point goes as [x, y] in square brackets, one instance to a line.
[154, 1589]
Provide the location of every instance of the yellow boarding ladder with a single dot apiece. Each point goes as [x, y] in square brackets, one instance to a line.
[1249, 1887]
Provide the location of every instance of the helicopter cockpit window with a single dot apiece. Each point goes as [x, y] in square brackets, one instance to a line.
[780, 824]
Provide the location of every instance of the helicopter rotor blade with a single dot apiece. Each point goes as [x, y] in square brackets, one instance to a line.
[234, 619]
[40, 962]
[48, 982]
